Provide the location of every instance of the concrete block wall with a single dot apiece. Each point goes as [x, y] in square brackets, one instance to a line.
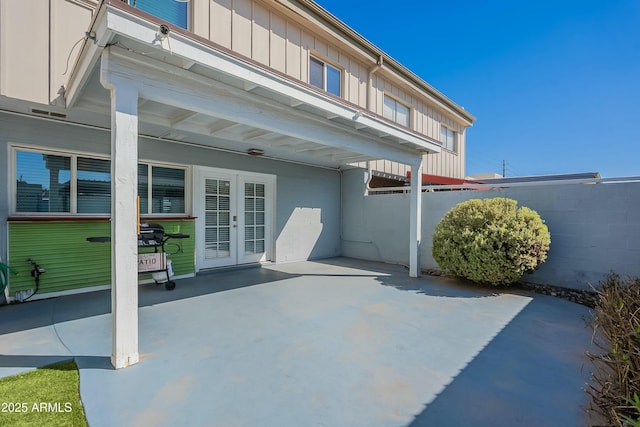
[595, 228]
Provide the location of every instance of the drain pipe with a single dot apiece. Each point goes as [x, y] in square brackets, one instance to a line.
[378, 65]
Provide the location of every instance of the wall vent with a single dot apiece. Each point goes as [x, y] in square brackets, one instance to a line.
[48, 113]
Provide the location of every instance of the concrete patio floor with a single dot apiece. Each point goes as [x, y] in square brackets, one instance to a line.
[336, 342]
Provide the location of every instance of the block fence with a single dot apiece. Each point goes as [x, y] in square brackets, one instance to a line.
[595, 228]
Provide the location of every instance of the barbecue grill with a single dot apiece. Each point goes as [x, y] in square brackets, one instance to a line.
[152, 235]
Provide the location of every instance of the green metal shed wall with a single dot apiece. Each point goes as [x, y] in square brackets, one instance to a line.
[71, 262]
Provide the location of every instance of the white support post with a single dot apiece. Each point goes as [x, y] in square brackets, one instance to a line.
[124, 241]
[415, 219]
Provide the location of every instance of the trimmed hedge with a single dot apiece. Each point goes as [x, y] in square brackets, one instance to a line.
[491, 241]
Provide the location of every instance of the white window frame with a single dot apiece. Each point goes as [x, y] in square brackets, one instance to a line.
[454, 147]
[73, 197]
[395, 110]
[326, 64]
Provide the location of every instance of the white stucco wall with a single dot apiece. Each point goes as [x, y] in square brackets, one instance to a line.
[595, 229]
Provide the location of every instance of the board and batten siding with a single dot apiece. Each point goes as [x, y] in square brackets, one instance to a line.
[49, 33]
[71, 262]
[257, 31]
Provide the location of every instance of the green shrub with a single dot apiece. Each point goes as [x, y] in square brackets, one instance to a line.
[491, 241]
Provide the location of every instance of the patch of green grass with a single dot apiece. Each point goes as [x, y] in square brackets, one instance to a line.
[48, 396]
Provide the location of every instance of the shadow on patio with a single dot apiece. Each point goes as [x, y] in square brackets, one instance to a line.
[337, 342]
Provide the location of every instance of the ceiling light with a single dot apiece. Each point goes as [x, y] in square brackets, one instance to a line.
[255, 152]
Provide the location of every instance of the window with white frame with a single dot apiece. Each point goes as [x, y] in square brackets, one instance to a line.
[448, 138]
[49, 182]
[325, 76]
[396, 111]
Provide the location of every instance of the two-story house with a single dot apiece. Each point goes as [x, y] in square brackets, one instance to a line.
[227, 120]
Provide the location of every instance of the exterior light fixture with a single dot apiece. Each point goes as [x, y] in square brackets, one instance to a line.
[255, 152]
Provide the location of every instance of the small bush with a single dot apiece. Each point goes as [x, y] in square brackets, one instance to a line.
[491, 241]
[616, 380]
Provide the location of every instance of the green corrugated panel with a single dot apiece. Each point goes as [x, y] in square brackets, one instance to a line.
[71, 262]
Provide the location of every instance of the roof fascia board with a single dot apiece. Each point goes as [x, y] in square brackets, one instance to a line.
[127, 25]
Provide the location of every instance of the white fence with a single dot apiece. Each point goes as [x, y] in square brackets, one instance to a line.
[594, 224]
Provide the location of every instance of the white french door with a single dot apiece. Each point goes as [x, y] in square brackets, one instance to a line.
[235, 214]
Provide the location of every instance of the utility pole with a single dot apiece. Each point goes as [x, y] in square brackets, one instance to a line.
[504, 168]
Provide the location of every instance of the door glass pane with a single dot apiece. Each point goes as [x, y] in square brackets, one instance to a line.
[211, 218]
[249, 189]
[217, 215]
[224, 187]
[249, 233]
[223, 218]
[211, 203]
[249, 204]
[249, 218]
[43, 182]
[224, 250]
[94, 185]
[211, 186]
[224, 203]
[211, 235]
[254, 203]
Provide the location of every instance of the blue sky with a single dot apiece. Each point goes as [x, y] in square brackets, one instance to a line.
[554, 85]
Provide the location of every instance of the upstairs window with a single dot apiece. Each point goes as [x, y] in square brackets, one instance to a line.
[325, 76]
[448, 138]
[394, 110]
[172, 11]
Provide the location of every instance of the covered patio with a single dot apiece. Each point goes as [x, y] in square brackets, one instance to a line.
[335, 342]
[144, 78]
